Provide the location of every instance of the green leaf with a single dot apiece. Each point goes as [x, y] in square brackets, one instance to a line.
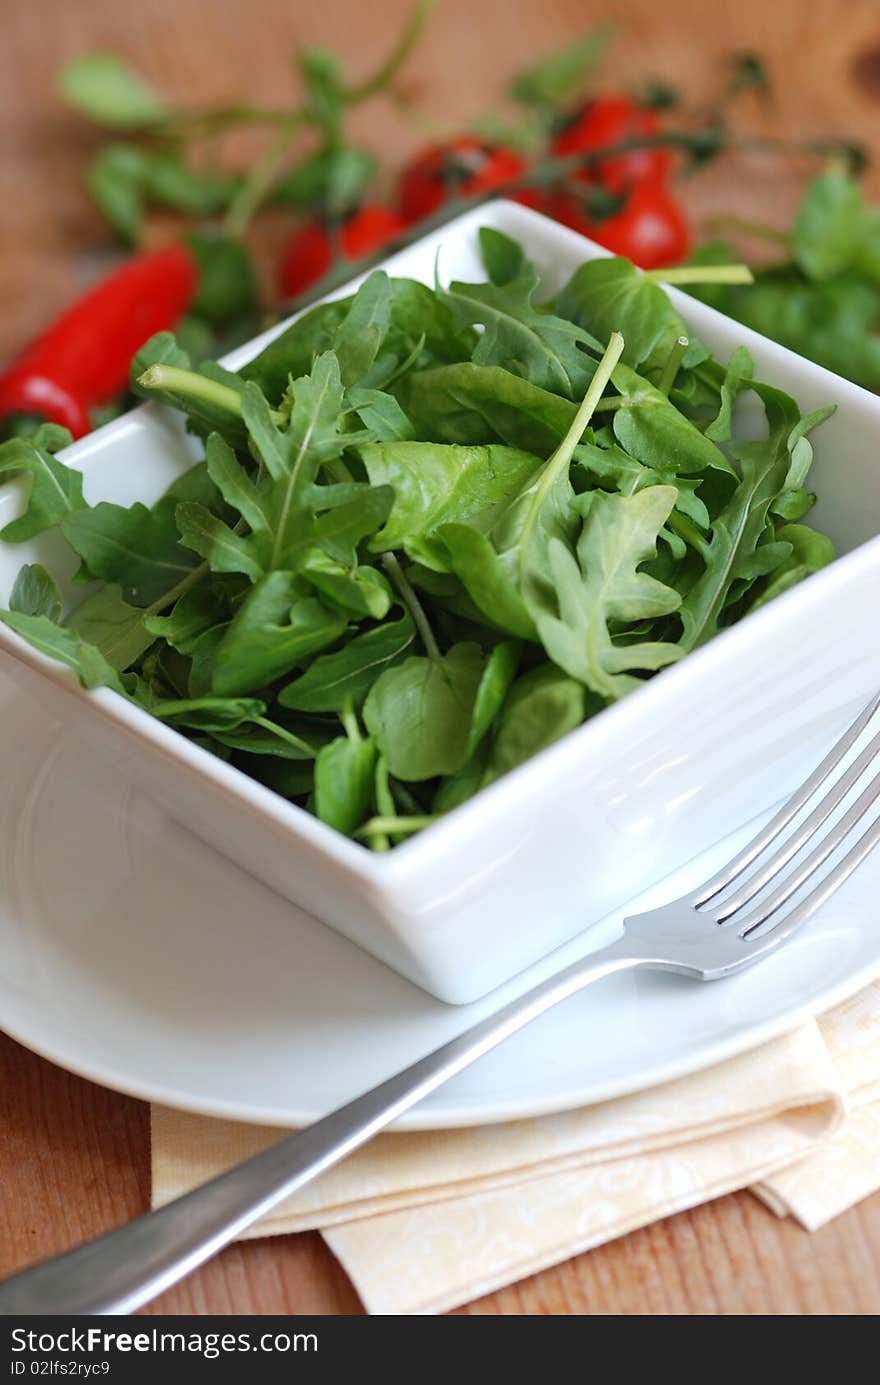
[223, 550]
[810, 551]
[503, 258]
[467, 403]
[435, 485]
[344, 772]
[273, 630]
[334, 179]
[66, 646]
[543, 705]
[266, 738]
[740, 369]
[207, 713]
[381, 413]
[543, 348]
[364, 328]
[191, 191]
[135, 547]
[108, 91]
[611, 295]
[420, 712]
[828, 228]
[559, 77]
[322, 78]
[116, 628]
[736, 532]
[360, 591]
[603, 587]
[56, 489]
[35, 593]
[227, 279]
[497, 676]
[117, 181]
[333, 681]
[653, 431]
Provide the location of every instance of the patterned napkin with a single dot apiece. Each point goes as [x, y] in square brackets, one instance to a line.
[425, 1221]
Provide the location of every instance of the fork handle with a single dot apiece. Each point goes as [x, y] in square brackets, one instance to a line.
[125, 1268]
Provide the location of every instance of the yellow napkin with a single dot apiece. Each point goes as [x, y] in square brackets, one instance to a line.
[425, 1221]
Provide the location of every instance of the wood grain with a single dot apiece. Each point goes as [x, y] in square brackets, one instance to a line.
[73, 1157]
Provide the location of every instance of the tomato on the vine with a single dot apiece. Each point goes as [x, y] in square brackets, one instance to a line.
[610, 120]
[308, 250]
[461, 167]
[650, 229]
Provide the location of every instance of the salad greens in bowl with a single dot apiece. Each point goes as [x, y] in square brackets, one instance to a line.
[434, 530]
[465, 604]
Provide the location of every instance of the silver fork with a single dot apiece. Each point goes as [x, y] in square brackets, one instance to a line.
[120, 1271]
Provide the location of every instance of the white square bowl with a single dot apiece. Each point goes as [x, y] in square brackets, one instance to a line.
[587, 824]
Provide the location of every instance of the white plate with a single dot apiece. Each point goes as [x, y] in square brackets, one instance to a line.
[138, 957]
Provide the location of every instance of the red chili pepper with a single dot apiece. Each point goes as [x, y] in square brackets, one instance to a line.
[464, 166]
[612, 120]
[308, 251]
[83, 359]
[651, 230]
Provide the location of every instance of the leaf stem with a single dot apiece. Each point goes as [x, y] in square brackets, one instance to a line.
[375, 827]
[285, 735]
[561, 458]
[673, 361]
[192, 385]
[414, 606]
[701, 274]
[350, 724]
[687, 530]
[261, 177]
[386, 73]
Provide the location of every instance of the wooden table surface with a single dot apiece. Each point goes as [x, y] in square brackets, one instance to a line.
[74, 1157]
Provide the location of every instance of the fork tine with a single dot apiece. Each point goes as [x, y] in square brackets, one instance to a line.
[826, 847]
[789, 810]
[808, 828]
[822, 892]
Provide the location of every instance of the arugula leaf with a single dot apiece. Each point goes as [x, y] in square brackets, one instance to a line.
[273, 629]
[117, 180]
[650, 428]
[56, 489]
[420, 712]
[344, 772]
[66, 646]
[603, 587]
[35, 593]
[611, 295]
[467, 404]
[502, 257]
[136, 547]
[113, 626]
[545, 349]
[810, 551]
[434, 485]
[740, 369]
[542, 706]
[334, 681]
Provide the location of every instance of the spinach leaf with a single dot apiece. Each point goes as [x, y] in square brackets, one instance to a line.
[467, 403]
[606, 296]
[107, 621]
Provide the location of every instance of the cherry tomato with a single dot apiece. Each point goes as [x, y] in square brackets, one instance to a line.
[611, 120]
[464, 166]
[308, 251]
[651, 229]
